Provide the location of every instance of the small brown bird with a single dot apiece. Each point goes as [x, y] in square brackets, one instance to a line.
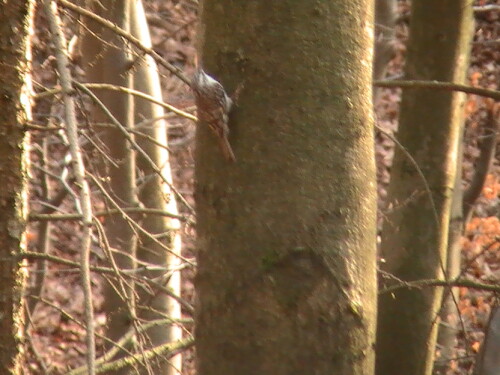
[213, 106]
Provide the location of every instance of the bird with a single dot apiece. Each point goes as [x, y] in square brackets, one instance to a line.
[213, 107]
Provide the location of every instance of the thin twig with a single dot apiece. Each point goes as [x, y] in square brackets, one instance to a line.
[166, 351]
[68, 316]
[107, 270]
[134, 144]
[124, 34]
[111, 87]
[126, 339]
[135, 224]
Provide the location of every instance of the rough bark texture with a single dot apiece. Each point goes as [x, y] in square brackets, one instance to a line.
[15, 28]
[415, 236]
[286, 246]
[109, 63]
[154, 193]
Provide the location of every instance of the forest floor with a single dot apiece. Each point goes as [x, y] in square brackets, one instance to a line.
[57, 342]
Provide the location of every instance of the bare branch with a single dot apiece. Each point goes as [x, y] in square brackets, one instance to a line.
[134, 144]
[418, 284]
[135, 224]
[166, 351]
[447, 86]
[486, 8]
[136, 42]
[107, 86]
[79, 171]
[126, 339]
[133, 273]
[132, 210]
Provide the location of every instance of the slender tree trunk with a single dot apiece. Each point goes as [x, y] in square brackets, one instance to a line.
[463, 202]
[488, 361]
[110, 63]
[415, 236]
[286, 235]
[154, 193]
[448, 328]
[15, 86]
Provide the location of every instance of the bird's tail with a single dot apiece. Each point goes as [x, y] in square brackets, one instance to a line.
[227, 150]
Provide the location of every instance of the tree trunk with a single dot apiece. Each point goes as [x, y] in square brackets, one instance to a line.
[488, 361]
[462, 206]
[15, 86]
[415, 236]
[286, 235]
[110, 63]
[448, 328]
[154, 193]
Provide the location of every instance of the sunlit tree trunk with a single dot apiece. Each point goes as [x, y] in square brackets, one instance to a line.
[415, 235]
[15, 86]
[154, 193]
[286, 235]
[448, 329]
[109, 62]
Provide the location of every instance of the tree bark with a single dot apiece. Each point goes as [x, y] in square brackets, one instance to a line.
[286, 235]
[415, 235]
[15, 87]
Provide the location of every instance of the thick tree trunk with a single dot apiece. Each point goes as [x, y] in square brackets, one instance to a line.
[15, 86]
[415, 236]
[286, 246]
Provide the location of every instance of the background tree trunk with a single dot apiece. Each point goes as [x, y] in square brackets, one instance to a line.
[385, 36]
[462, 206]
[415, 236]
[15, 86]
[110, 63]
[286, 246]
[488, 361]
[448, 328]
[154, 193]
